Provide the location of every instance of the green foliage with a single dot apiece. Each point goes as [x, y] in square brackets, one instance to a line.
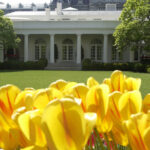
[19, 65]
[136, 67]
[7, 34]
[148, 70]
[135, 26]
[1, 13]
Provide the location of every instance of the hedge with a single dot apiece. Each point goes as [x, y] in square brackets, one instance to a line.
[20, 65]
[88, 64]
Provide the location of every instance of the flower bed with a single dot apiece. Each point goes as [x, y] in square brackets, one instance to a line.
[76, 116]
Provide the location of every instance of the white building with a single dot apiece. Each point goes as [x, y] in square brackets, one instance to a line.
[66, 37]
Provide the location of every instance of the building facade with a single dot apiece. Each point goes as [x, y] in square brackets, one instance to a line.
[67, 36]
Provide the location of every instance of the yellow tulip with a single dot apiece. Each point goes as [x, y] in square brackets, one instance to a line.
[80, 91]
[21, 98]
[132, 84]
[97, 102]
[137, 128]
[59, 85]
[108, 82]
[10, 135]
[146, 103]
[30, 125]
[8, 94]
[114, 105]
[117, 129]
[117, 81]
[66, 126]
[68, 88]
[130, 103]
[42, 98]
[147, 132]
[91, 82]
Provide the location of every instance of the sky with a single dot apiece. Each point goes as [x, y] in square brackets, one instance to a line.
[13, 2]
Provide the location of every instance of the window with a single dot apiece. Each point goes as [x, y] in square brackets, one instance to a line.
[136, 55]
[116, 55]
[96, 50]
[67, 49]
[110, 7]
[40, 49]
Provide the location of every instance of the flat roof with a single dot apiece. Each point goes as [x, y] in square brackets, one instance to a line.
[65, 16]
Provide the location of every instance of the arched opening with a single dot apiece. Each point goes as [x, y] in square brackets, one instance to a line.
[67, 50]
[96, 50]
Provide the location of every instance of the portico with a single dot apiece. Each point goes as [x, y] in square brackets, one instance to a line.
[67, 47]
[67, 37]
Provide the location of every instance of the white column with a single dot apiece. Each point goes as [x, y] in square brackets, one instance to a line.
[26, 48]
[51, 48]
[78, 48]
[105, 48]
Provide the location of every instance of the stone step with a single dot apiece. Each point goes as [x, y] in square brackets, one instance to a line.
[64, 66]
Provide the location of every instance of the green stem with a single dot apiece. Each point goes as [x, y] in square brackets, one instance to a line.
[107, 141]
[114, 142]
[99, 139]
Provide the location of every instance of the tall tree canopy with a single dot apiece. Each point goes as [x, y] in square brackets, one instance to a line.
[134, 29]
[7, 34]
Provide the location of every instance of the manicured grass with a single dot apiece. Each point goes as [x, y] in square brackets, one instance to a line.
[42, 79]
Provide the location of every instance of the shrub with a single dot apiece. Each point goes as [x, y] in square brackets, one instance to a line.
[19, 65]
[87, 64]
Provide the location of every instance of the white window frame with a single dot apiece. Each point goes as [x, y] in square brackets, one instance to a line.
[96, 46]
[39, 45]
[66, 47]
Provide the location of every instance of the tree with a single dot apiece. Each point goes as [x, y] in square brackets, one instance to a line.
[134, 29]
[7, 34]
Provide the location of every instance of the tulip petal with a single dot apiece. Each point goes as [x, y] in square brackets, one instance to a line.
[80, 91]
[91, 119]
[130, 103]
[146, 103]
[108, 82]
[59, 85]
[24, 123]
[43, 97]
[135, 129]
[64, 125]
[117, 81]
[97, 100]
[68, 88]
[114, 106]
[147, 137]
[20, 99]
[132, 84]
[29, 124]
[8, 95]
[91, 82]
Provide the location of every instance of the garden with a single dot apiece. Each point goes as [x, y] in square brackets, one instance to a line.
[79, 110]
[91, 110]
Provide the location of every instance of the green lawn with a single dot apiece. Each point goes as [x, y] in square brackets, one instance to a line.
[41, 79]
